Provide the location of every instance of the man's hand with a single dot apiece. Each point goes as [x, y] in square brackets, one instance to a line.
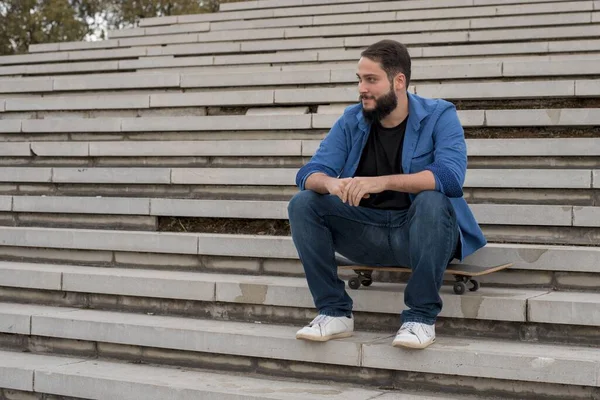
[358, 188]
[337, 186]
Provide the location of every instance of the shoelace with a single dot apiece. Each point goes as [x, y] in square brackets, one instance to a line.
[320, 318]
[409, 326]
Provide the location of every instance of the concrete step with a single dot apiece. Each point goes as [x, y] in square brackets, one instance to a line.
[583, 259]
[158, 124]
[167, 30]
[333, 49]
[476, 178]
[576, 13]
[522, 196]
[50, 47]
[111, 52]
[373, 4]
[394, 12]
[169, 33]
[487, 304]
[496, 304]
[566, 277]
[329, 9]
[283, 78]
[581, 117]
[564, 147]
[343, 37]
[455, 31]
[90, 82]
[481, 358]
[474, 195]
[61, 68]
[494, 214]
[423, 56]
[35, 375]
[449, 19]
[495, 90]
[529, 51]
[492, 35]
[441, 72]
[216, 290]
[503, 229]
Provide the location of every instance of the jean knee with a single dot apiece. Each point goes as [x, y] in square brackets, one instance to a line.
[301, 202]
[432, 204]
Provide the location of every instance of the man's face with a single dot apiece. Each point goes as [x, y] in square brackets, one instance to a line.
[376, 92]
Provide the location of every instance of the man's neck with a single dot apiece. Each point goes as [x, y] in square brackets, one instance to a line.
[399, 114]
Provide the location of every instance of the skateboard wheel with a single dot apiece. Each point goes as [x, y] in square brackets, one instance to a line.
[366, 282]
[475, 286]
[460, 288]
[354, 283]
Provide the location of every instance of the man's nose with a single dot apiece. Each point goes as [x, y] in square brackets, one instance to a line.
[361, 88]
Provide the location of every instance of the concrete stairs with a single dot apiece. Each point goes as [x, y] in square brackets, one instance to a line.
[144, 180]
[64, 376]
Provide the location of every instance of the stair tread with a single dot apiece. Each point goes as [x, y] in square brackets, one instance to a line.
[499, 359]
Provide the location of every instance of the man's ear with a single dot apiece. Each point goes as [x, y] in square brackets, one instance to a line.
[400, 81]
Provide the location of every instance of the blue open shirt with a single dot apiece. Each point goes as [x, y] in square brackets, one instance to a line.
[434, 141]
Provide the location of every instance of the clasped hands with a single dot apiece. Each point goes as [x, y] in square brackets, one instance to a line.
[353, 190]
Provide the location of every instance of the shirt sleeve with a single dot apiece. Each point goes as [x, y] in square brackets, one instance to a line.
[329, 158]
[450, 154]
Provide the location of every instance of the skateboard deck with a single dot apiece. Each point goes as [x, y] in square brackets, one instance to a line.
[463, 273]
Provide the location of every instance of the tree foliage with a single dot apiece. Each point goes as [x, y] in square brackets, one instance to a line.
[26, 22]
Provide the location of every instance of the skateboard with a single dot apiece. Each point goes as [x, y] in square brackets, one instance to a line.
[463, 274]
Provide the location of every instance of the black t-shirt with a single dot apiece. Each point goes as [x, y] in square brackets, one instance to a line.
[382, 155]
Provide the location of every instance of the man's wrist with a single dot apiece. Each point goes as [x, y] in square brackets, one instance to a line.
[327, 181]
[387, 182]
[393, 182]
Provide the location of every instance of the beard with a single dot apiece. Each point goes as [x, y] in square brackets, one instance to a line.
[383, 106]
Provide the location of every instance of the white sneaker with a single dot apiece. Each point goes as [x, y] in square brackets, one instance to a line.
[415, 335]
[324, 328]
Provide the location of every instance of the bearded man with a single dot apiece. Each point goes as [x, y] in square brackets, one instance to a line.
[384, 188]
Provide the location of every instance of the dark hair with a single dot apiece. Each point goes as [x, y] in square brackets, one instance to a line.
[393, 57]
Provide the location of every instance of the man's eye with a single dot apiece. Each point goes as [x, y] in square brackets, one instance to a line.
[372, 80]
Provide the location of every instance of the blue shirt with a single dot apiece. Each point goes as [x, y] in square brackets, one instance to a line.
[434, 141]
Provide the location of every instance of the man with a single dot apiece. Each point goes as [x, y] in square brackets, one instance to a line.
[384, 188]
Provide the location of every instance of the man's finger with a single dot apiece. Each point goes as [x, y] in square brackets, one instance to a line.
[359, 196]
[347, 187]
[349, 192]
[355, 191]
[355, 194]
[340, 187]
[344, 192]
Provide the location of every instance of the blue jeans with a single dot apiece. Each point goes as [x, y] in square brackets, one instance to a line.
[423, 237]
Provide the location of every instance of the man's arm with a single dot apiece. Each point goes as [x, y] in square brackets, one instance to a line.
[450, 155]
[318, 182]
[410, 183]
[328, 160]
[359, 187]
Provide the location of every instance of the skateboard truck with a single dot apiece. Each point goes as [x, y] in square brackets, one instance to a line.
[460, 284]
[364, 278]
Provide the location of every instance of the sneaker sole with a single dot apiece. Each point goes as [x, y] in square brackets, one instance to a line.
[419, 346]
[324, 338]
